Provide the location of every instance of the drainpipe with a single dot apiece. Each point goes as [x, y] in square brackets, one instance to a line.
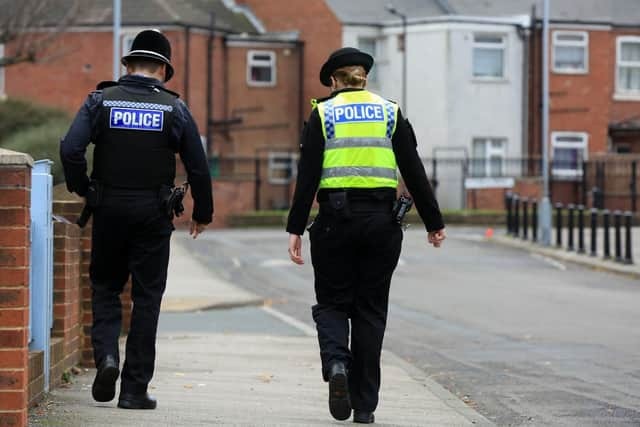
[301, 99]
[187, 66]
[525, 37]
[210, 41]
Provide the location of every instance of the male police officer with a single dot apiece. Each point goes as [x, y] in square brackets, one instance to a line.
[137, 126]
[351, 146]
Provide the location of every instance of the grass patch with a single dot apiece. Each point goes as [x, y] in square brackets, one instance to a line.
[17, 115]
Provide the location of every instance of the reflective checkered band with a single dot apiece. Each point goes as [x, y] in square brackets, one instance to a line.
[329, 125]
[140, 105]
[391, 118]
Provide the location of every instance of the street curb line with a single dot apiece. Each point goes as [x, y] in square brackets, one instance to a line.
[255, 302]
[589, 262]
[414, 372]
[439, 391]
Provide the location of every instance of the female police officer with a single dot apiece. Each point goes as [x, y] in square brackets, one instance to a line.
[350, 149]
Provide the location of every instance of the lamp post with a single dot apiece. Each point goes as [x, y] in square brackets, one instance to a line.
[545, 205]
[117, 16]
[392, 10]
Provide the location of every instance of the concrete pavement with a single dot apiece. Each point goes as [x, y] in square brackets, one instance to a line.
[245, 366]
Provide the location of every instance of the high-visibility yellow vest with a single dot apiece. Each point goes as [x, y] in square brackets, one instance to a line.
[358, 127]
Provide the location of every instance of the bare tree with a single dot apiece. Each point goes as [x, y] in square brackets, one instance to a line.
[30, 27]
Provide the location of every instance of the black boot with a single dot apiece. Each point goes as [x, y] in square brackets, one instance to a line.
[363, 417]
[137, 401]
[339, 402]
[104, 385]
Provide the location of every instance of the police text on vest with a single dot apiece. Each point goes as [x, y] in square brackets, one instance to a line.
[136, 119]
[358, 113]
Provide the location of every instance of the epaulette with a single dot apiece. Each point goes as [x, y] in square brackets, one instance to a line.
[176, 94]
[105, 84]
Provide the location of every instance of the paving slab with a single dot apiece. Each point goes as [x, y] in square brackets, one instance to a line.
[246, 380]
[191, 286]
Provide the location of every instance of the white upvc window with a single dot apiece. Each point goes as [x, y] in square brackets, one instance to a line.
[489, 156]
[489, 52]
[569, 150]
[628, 66]
[261, 68]
[571, 52]
[281, 167]
[370, 45]
[2, 89]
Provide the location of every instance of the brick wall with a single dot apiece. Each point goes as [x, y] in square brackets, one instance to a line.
[66, 296]
[15, 198]
[319, 28]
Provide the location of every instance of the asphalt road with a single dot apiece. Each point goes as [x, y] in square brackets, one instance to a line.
[522, 339]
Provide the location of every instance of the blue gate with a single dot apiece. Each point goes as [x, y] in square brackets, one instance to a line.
[41, 274]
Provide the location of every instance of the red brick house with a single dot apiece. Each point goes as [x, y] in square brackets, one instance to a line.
[594, 98]
[242, 83]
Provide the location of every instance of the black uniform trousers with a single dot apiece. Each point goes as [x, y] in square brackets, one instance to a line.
[130, 237]
[353, 261]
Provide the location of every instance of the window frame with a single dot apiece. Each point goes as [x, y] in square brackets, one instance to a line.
[273, 165]
[376, 42]
[565, 172]
[3, 93]
[584, 44]
[489, 46]
[489, 152]
[622, 93]
[271, 63]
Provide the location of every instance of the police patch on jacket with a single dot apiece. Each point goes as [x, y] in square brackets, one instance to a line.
[358, 113]
[135, 119]
[136, 115]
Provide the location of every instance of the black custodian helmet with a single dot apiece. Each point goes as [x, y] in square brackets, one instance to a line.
[151, 44]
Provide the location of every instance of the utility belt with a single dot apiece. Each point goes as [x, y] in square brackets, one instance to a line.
[170, 198]
[341, 205]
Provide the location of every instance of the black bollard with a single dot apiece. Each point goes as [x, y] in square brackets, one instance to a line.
[534, 220]
[507, 202]
[628, 256]
[581, 229]
[570, 223]
[605, 230]
[516, 215]
[617, 223]
[594, 232]
[525, 218]
[559, 225]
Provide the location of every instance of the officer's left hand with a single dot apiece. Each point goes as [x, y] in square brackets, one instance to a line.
[196, 228]
[295, 249]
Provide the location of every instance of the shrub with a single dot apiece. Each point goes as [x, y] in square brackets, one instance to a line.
[17, 115]
[43, 142]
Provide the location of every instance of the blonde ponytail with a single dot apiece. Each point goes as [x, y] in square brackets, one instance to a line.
[351, 76]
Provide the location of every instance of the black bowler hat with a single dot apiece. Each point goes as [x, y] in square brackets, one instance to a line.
[342, 58]
[151, 44]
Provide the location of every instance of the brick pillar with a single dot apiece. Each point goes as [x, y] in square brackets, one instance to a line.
[66, 294]
[15, 219]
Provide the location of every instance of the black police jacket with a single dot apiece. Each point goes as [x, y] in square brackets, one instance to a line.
[183, 136]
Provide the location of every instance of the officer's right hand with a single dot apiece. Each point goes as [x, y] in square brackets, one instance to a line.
[196, 228]
[436, 237]
[295, 249]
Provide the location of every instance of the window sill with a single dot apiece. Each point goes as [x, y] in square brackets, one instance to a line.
[490, 80]
[628, 97]
[571, 72]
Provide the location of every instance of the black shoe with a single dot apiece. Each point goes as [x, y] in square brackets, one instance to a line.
[339, 402]
[104, 385]
[363, 417]
[137, 401]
